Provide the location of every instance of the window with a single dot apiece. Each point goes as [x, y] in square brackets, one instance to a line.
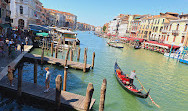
[158, 21]
[167, 37]
[21, 9]
[161, 29]
[163, 20]
[174, 39]
[170, 27]
[177, 27]
[186, 27]
[156, 29]
[182, 39]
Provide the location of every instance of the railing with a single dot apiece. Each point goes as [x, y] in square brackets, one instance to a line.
[175, 31]
[133, 31]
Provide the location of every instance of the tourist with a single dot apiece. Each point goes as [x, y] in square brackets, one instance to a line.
[22, 47]
[132, 76]
[7, 41]
[10, 75]
[26, 40]
[47, 82]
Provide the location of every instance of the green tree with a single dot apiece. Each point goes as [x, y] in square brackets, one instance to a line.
[104, 28]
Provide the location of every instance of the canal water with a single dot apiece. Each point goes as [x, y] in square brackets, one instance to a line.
[166, 78]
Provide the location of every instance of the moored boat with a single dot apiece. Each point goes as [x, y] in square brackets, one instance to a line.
[124, 82]
[113, 45]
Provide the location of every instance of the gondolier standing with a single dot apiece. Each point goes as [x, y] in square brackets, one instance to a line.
[132, 76]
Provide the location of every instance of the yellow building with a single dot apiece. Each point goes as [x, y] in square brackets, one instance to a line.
[151, 26]
[177, 32]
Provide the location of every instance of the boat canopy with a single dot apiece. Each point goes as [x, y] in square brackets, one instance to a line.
[66, 31]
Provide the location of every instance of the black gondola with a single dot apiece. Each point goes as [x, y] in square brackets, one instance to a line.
[114, 45]
[137, 47]
[134, 91]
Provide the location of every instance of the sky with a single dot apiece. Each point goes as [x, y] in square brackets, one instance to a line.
[99, 12]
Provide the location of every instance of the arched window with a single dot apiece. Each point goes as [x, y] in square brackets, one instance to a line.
[186, 27]
[21, 9]
[182, 39]
[174, 39]
[177, 27]
[170, 27]
[167, 37]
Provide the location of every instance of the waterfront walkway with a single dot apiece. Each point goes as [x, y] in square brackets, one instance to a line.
[51, 60]
[6, 61]
[68, 99]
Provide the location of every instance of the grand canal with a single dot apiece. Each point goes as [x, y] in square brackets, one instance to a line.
[166, 77]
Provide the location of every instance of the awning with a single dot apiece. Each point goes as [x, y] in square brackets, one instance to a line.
[42, 34]
[168, 46]
[5, 25]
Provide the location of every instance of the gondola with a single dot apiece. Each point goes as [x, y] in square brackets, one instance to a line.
[124, 82]
[114, 45]
[137, 47]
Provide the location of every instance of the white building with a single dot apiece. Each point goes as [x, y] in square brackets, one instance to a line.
[98, 29]
[113, 26]
[122, 29]
[25, 12]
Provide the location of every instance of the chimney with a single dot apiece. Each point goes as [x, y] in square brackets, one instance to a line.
[182, 13]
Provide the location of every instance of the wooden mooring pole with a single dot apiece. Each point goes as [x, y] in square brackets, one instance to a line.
[58, 82]
[20, 73]
[52, 49]
[85, 60]
[78, 57]
[65, 71]
[93, 60]
[56, 51]
[42, 55]
[71, 55]
[89, 94]
[35, 71]
[103, 93]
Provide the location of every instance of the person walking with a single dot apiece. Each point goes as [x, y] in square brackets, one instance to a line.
[132, 76]
[10, 75]
[22, 47]
[47, 81]
[26, 40]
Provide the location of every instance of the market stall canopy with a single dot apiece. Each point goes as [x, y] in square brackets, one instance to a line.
[167, 46]
[42, 34]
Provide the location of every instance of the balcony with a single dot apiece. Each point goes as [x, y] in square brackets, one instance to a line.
[184, 33]
[133, 31]
[175, 32]
[164, 31]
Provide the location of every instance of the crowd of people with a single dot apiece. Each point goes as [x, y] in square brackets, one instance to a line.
[9, 44]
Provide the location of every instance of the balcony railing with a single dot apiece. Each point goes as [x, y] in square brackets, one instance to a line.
[175, 31]
[134, 31]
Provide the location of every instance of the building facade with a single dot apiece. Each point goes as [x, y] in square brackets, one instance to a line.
[25, 12]
[5, 21]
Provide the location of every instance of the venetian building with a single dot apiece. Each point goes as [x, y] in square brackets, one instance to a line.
[122, 29]
[178, 31]
[5, 21]
[25, 12]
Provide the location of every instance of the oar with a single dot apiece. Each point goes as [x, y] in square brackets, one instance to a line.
[148, 95]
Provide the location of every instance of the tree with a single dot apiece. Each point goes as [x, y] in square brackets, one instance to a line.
[104, 28]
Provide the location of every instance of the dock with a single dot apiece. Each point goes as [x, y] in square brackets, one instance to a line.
[14, 63]
[61, 62]
[68, 99]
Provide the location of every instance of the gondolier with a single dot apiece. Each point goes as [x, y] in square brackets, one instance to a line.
[132, 76]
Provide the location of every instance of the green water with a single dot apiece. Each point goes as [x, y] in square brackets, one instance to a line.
[167, 78]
